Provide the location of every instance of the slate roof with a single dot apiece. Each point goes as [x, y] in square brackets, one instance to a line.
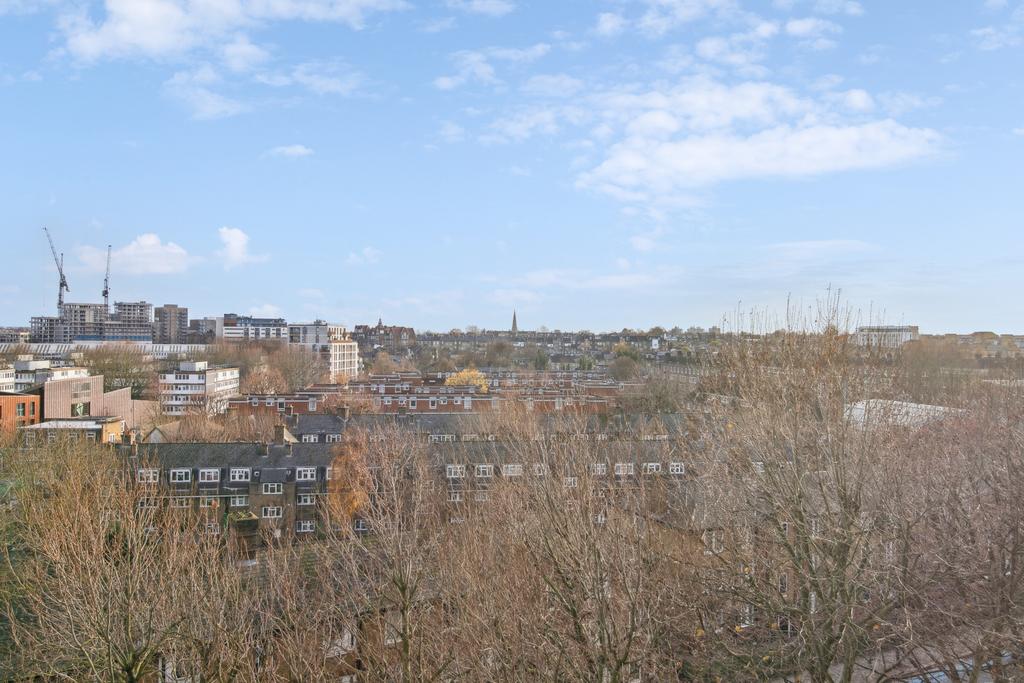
[255, 455]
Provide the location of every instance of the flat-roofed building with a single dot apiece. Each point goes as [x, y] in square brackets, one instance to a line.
[195, 386]
[7, 378]
[97, 429]
[886, 336]
[332, 343]
[170, 324]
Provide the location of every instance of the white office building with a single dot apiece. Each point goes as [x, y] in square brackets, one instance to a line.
[885, 336]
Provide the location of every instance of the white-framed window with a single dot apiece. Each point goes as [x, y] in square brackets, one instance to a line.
[539, 469]
[455, 496]
[212, 528]
[147, 503]
[240, 474]
[334, 438]
[310, 438]
[305, 474]
[623, 469]
[570, 482]
[513, 469]
[181, 476]
[273, 489]
[305, 526]
[361, 525]
[209, 475]
[677, 468]
[456, 471]
[328, 473]
[598, 469]
[652, 467]
[433, 403]
[271, 512]
[304, 499]
[485, 471]
[758, 466]
[148, 476]
[207, 501]
[482, 495]
[179, 502]
[239, 501]
[599, 518]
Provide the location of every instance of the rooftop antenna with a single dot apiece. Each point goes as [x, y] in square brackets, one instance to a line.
[106, 282]
[59, 262]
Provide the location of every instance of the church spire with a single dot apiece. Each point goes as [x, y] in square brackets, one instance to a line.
[515, 326]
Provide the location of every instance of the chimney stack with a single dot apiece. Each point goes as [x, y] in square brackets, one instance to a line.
[346, 411]
[279, 434]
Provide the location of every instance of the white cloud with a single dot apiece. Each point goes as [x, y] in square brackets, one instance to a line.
[1009, 34]
[530, 121]
[811, 27]
[265, 311]
[813, 32]
[849, 7]
[236, 249]
[492, 8]
[438, 25]
[194, 89]
[610, 24]
[662, 16]
[645, 170]
[474, 66]
[144, 255]
[858, 100]
[452, 132]
[742, 51]
[25, 6]
[552, 85]
[897, 103]
[241, 55]
[321, 77]
[173, 28]
[470, 67]
[289, 151]
[365, 256]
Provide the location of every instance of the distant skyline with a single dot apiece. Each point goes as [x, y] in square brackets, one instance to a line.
[592, 165]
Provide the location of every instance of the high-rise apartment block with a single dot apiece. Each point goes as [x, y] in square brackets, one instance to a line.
[130, 321]
[170, 324]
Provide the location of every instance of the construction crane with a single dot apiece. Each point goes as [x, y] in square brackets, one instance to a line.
[59, 261]
[106, 282]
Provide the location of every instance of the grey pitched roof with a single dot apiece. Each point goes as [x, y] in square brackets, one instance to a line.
[310, 423]
[170, 455]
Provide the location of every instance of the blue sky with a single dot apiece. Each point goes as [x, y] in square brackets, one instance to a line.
[592, 164]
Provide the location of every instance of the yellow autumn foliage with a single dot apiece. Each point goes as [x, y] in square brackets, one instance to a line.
[466, 377]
